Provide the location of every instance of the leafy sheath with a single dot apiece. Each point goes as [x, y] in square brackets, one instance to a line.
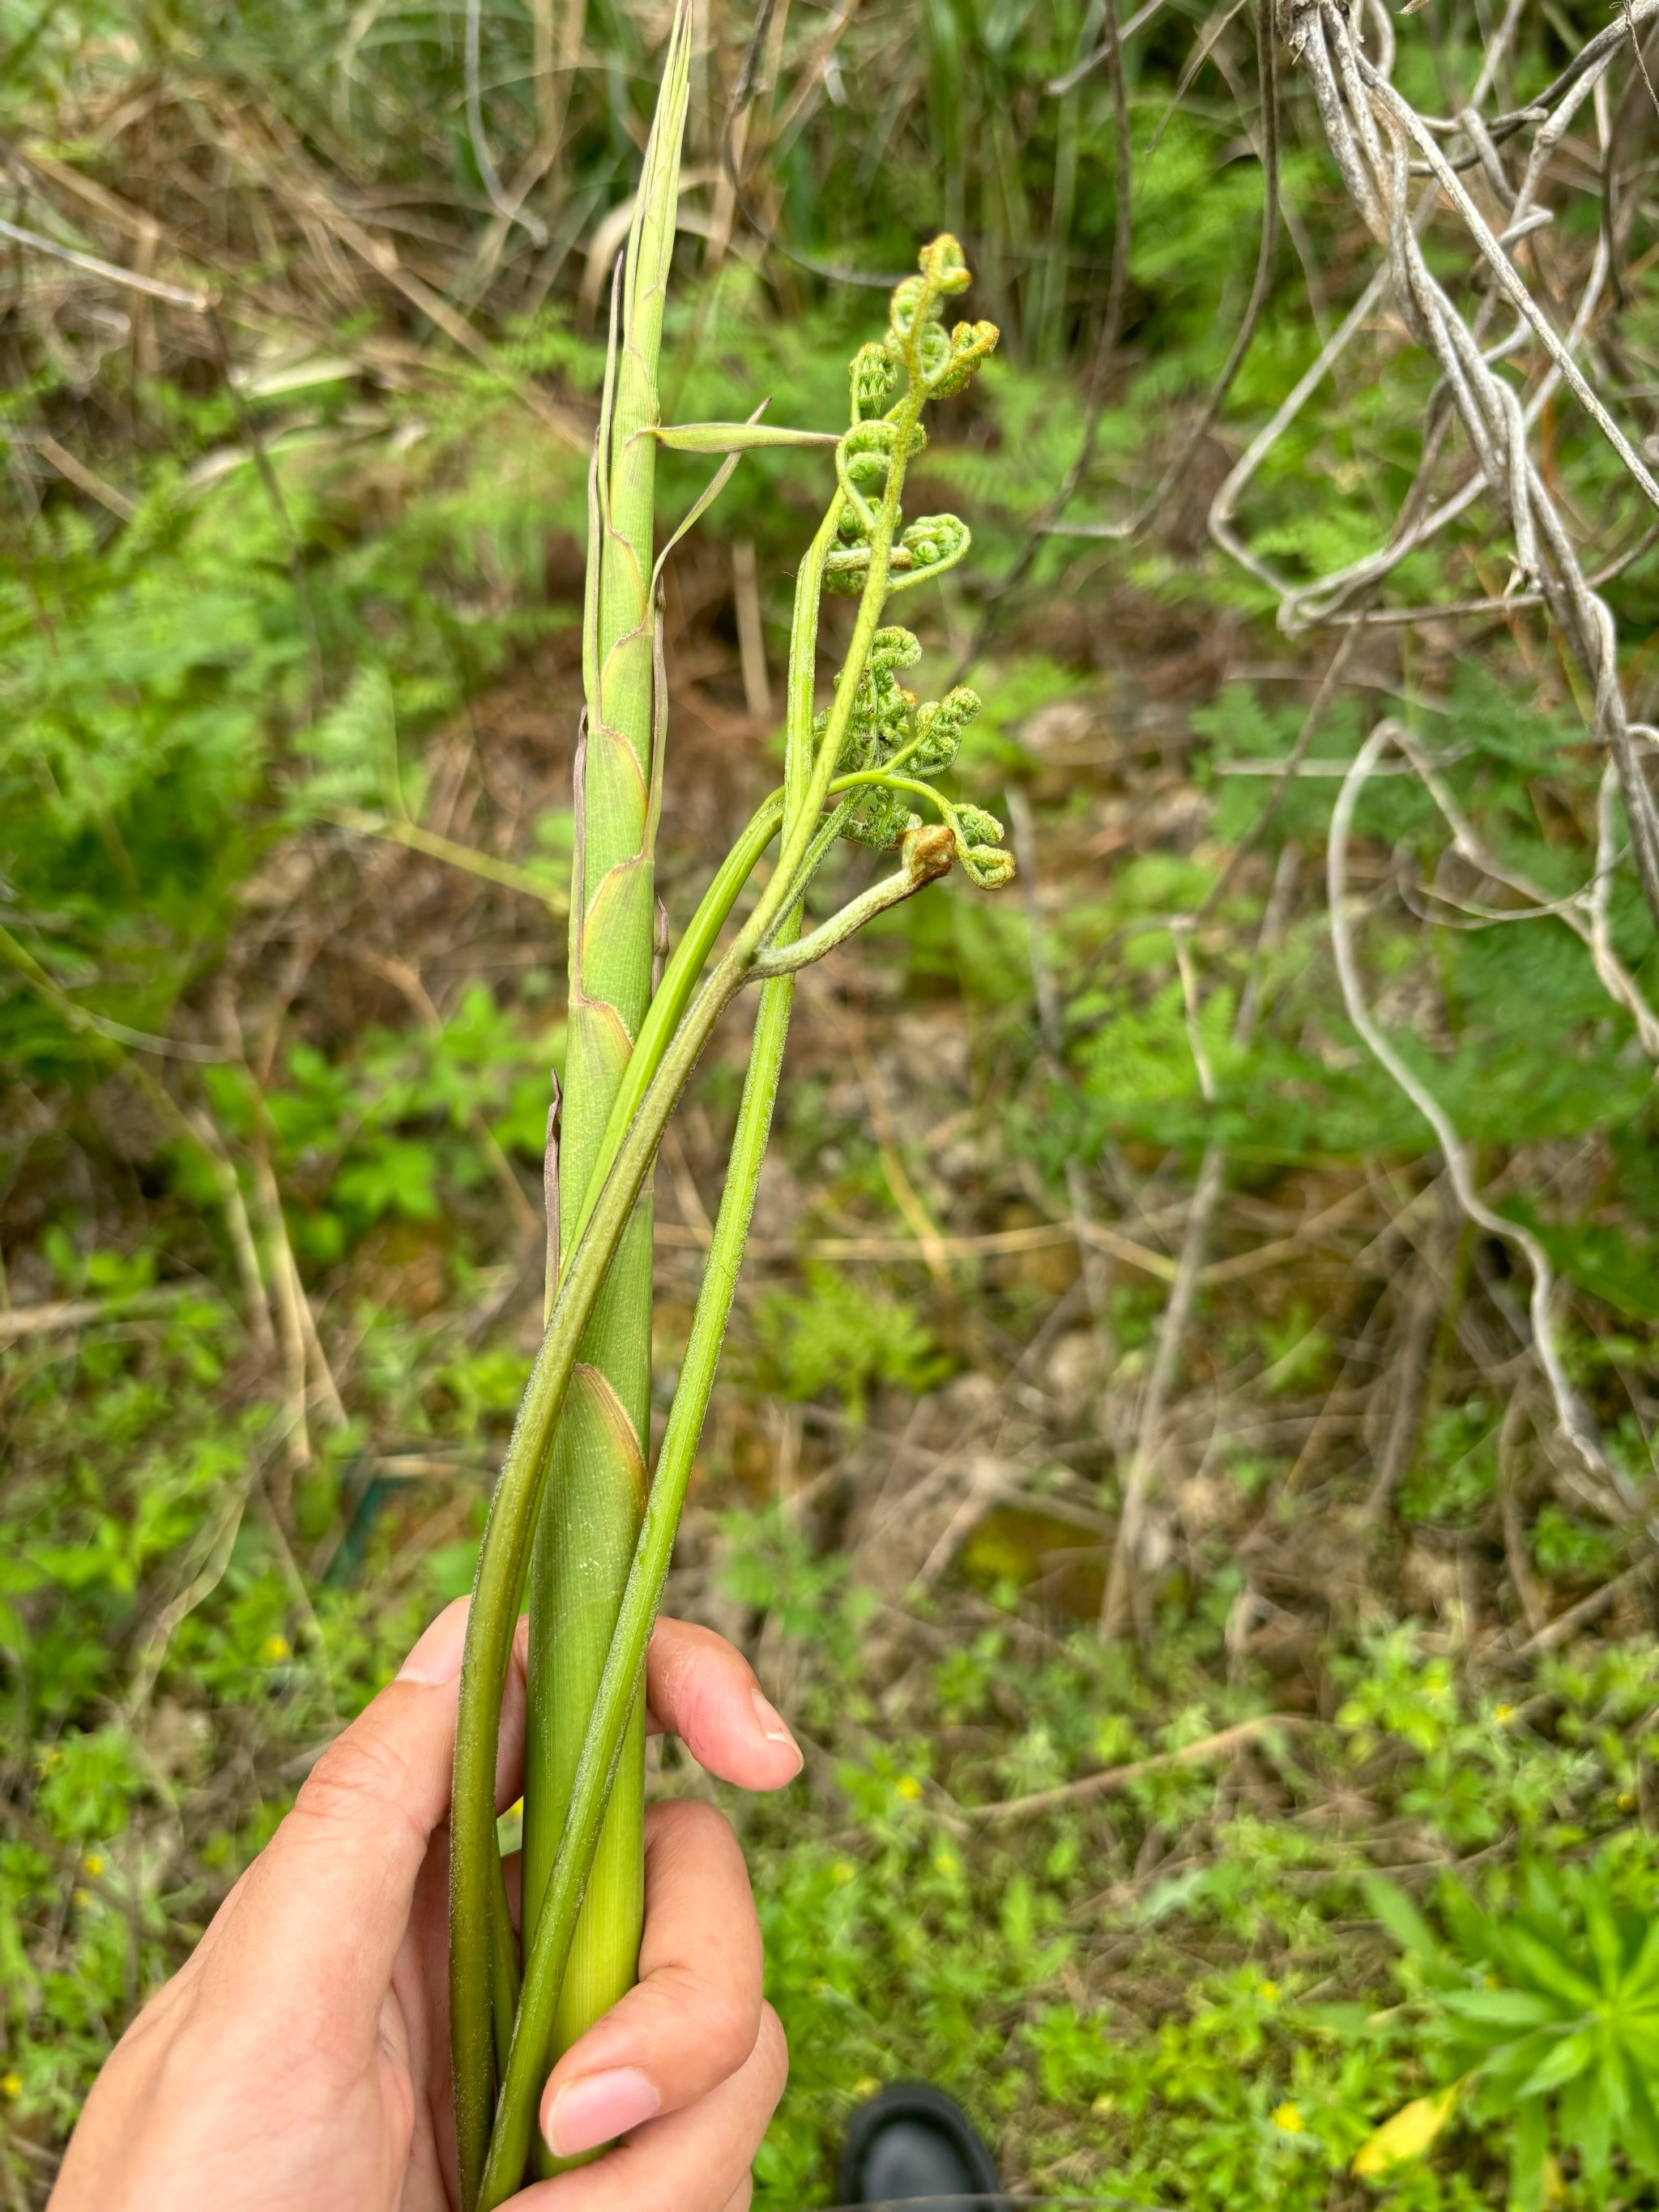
[595, 1489]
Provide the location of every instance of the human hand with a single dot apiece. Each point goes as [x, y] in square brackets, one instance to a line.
[298, 2062]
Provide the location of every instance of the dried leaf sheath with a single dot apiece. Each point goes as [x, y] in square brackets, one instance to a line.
[595, 1491]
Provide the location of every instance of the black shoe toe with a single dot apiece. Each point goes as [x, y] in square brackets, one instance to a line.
[911, 2141]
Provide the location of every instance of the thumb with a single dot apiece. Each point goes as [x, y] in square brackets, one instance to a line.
[327, 1904]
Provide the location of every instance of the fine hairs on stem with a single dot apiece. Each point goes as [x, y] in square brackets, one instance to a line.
[859, 769]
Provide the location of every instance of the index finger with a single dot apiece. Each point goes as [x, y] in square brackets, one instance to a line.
[321, 1912]
[701, 1689]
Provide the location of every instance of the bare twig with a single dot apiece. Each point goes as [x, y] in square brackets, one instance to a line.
[1587, 1609]
[1574, 1421]
[1148, 1440]
[111, 271]
[1097, 1288]
[1379, 141]
[49, 1316]
[510, 209]
[1111, 1779]
[752, 643]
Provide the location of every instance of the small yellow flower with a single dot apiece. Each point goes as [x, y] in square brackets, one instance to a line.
[274, 1649]
[1104, 2105]
[1289, 2120]
[946, 1864]
[1503, 1714]
[92, 1866]
[908, 1788]
[11, 2085]
[1267, 1992]
[80, 1897]
[867, 2087]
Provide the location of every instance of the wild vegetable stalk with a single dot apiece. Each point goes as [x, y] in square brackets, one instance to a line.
[595, 1487]
[851, 771]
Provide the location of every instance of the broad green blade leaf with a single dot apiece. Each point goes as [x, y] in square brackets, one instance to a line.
[1503, 2008]
[1567, 2060]
[1605, 1947]
[1642, 1977]
[1642, 2124]
[1587, 2120]
[1608, 2075]
[1540, 1964]
[1399, 1916]
[1530, 2166]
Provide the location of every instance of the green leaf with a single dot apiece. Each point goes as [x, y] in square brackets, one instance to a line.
[1564, 2063]
[736, 437]
[1399, 1916]
[1642, 2127]
[1502, 2007]
[1540, 1964]
[1605, 1947]
[1505, 2063]
[1528, 2161]
[1643, 1973]
[1587, 2120]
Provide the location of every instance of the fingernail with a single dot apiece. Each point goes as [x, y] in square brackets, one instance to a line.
[436, 1658]
[772, 1725]
[598, 2108]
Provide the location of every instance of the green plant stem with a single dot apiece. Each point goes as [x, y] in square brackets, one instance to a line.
[887, 778]
[548, 1941]
[813, 787]
[504, 1975]
[507, 1536]
[594, 1491]
[787, 959]
[502, 1558]
[799, 833]
[679, 980]
[773, 917]
[512, 2142]
[474, 1861]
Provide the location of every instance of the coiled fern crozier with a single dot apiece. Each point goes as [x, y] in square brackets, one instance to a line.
[573, 1511]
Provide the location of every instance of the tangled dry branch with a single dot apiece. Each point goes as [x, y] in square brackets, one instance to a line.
[1402, 169]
